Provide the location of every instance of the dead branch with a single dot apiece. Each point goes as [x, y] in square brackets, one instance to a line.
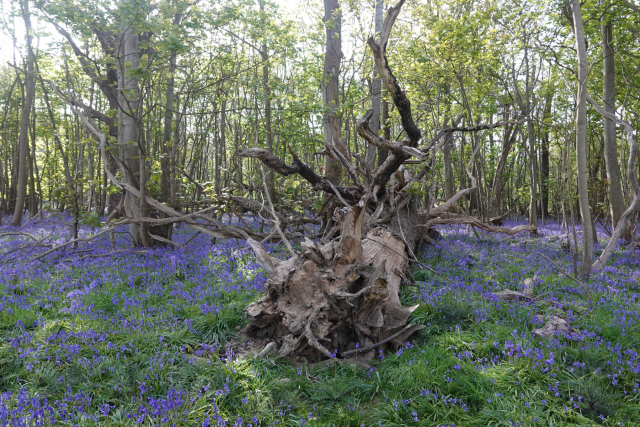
[499, 220]
[297, 167]
[478, 128]
[348, 166]
[398, 148]
[109, 254]
[378, 344]
[166, 241]
[276, 220]
[311, 339]
[584, 288]
[477, 223]
[22, 233]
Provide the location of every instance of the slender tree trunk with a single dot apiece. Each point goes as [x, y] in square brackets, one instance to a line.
[533, 201]
[34, 180]
[449, 183]
[330, 89]
[616, 199]
[165, 163]
[544, 158]
[448, 168]
[581, 141]
[264, 54]
[30, 86]
[508, 140]
[376, 90]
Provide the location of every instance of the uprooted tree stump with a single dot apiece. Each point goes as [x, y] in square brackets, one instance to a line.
[341, 297]
[334, 297]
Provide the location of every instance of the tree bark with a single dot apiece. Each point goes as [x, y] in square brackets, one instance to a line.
[509, 138]
[30, 88]
[581, 140]
[544, 157]
[616, 200]
[330, 88]
[386, 130]
[533, 188]
[128, 118]
[165, 163]
[376, 90]
[264, 54]
[449, 183]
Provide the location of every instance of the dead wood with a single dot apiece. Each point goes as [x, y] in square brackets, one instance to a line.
[340, 294]
[477, 223]
[336, 295]
[555, 325]
[351, 194]
[499, 220]
[509, 295]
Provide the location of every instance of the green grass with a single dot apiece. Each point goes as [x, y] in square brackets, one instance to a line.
[457, 370]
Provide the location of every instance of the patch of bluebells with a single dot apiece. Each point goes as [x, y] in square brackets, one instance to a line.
[120, 294]
[70, 293]
[477, 269]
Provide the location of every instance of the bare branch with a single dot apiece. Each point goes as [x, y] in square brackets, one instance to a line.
[395, 147]
[276, 220]
[351, 170]
[351, 194]
[477, 223]
[378, 344]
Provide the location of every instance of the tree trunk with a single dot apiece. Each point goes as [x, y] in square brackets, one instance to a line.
[376, 91]
[509, 138]
[581, 141]
[23, 153]
[616, 200]
[264, 54]
[533, 201]
[128, 117]
[544, 157]
[165, 163]
[330, 88]
[449, 183]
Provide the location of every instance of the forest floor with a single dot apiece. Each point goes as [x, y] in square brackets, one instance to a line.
[151, 339]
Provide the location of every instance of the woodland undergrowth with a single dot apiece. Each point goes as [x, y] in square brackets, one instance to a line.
[155, 338]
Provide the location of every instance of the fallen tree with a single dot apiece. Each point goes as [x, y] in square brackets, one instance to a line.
[340, 297]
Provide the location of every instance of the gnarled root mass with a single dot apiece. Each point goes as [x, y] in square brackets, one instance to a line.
[335, 297]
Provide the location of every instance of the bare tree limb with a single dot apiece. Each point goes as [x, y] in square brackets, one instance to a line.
[477, 223]
[397, 148]
[378, 344]
[276, 220]
[351, 194]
